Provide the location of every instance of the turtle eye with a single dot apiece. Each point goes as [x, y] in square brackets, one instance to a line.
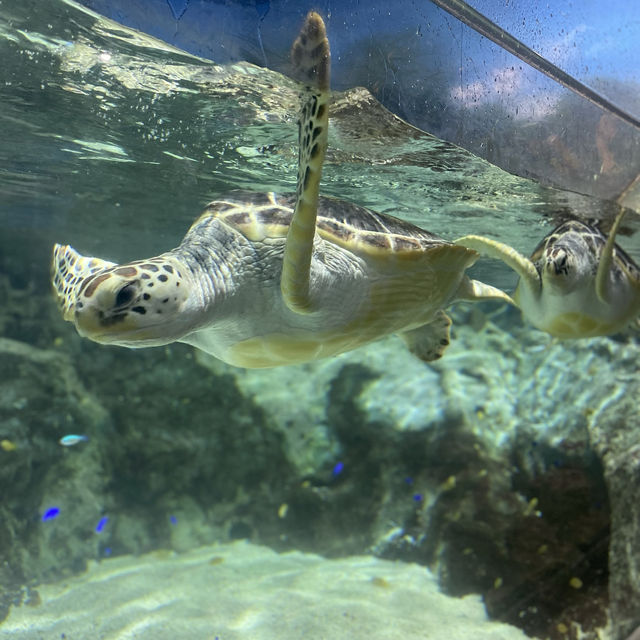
[125, 295]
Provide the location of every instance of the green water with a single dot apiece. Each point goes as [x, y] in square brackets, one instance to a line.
[486, 467]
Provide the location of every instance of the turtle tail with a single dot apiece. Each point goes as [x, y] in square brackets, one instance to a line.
[68, 271]
[310, 57]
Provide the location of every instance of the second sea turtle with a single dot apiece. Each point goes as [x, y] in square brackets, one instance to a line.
[578, 282]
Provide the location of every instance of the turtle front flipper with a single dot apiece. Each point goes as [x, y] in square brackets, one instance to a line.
[494, 249]
[311, 62]
[606, 259]
[68, 271]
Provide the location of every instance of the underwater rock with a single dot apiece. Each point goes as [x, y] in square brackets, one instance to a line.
[41, 399]
[174, 456]
[480, 465]
[187, 445]
[244, 591]
[615, 432]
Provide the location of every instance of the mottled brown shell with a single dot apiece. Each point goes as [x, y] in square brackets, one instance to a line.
[265, 215]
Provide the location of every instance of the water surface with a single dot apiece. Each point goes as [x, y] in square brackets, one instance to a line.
[114, 142]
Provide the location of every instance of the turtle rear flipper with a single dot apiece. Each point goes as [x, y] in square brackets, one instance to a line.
[474, 290]
[429, 341]
[311, 61]
[68, 271]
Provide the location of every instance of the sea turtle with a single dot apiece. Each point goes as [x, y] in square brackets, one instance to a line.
[578, 282]
[262, 280]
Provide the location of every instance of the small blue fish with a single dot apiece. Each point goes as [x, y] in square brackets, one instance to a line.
[102, 523]
[71, 439]
[338, 469]
[50, 513]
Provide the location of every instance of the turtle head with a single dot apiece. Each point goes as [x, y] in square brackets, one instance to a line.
[139, 304]
[566, 261]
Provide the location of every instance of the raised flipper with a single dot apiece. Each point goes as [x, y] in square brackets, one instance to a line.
[494, 249]
[68, 271]
[311, 62]
[429, 341]
[606, 258]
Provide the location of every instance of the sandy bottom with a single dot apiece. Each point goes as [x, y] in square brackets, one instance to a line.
[242, 590]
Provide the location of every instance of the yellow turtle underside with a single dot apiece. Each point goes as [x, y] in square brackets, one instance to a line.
[575, 324]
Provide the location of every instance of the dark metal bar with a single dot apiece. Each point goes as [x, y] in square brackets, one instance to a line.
[493, 32]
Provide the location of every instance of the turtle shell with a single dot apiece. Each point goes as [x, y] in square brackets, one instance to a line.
[266, 215]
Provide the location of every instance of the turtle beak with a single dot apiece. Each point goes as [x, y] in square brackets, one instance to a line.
[558, 262]
[92, 323]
